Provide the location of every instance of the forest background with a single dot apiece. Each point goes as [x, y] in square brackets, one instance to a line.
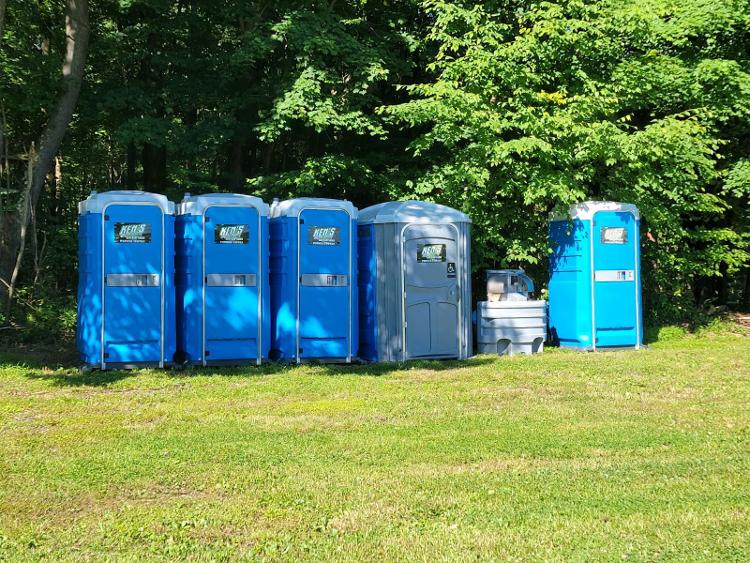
[506, 110]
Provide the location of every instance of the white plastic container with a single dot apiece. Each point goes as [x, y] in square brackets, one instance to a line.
[511, 327]
[509, 322]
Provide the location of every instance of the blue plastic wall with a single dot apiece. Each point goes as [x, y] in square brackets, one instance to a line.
[589, 314]
[231, 322]
[89, 329]
[283, 276]
[132, 316]
[325, 331]
[189, 287]
[570, 284]
[368, 305]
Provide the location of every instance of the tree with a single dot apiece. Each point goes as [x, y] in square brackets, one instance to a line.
[76, 50]
[532, 107]
[3, 3]
[76, 46]
[505, 109]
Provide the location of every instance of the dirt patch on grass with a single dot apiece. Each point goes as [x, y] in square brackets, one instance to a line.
[595, 461]
[363, 518]
[742, 319]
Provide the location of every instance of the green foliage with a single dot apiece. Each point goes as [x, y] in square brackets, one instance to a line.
[505, 109]
[536, 106]
[49, 319]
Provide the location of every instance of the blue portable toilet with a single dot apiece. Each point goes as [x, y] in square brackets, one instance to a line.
[126, 309]
[595, 277]
[313, 280]
[223, 300]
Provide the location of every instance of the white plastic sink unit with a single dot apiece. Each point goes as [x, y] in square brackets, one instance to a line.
[511, 327]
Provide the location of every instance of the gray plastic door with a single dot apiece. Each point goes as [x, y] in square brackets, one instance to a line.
[430, 262]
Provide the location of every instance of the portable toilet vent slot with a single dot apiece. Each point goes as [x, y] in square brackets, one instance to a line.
[509, 322]
[126, 310]
[223, 302]
[595, 277]
[414, 282]
[313, 280]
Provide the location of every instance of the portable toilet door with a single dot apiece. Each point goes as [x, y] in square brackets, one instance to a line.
[222, 269]
[126, 288]
[429, 284]
[415, 271]
[595, 283]
[313, 280]
[617, 283]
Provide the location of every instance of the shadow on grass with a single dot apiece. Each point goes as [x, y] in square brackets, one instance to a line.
[700, 324]
[38, 368]
[71, 378]
[386, 368]
[39, 356]
[331, 370]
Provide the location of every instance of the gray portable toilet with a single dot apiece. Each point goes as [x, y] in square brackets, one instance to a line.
[414, 282]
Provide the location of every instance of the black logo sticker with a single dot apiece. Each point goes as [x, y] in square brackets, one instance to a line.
[132, 232]
[431, 253]
[324, 236]
[231, 234]
[451, 269]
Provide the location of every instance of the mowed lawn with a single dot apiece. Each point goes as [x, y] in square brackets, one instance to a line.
[607, 456]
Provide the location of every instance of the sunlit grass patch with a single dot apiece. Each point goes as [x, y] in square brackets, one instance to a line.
[612, 455]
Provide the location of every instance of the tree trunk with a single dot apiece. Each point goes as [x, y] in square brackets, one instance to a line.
[4, 172]
[722, 289]
[57, 180]
[76, 50]
[2, 126]
[236, 165]
[130, 175]
[154, 168]
[24, 213]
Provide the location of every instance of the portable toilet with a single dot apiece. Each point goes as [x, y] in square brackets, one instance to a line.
[313, 280]
[414, 282]
[126, 309]
[595, 277]
[223, 299]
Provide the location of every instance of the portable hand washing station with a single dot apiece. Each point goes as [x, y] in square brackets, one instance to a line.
[509, 322]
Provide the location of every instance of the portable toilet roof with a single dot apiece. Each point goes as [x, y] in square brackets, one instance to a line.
[197, 204]
[411, 211]
[98, 201]
[293, 207]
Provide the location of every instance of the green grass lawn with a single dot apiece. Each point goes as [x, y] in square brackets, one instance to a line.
[618, 455]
